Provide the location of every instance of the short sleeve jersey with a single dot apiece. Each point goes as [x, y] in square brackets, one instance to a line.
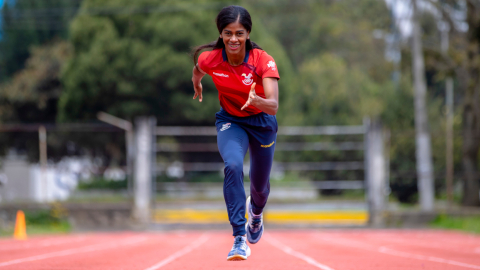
[234, 82]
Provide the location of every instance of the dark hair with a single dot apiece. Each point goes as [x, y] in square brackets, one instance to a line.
[227, 16]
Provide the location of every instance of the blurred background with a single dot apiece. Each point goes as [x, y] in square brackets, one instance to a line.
[379, 113]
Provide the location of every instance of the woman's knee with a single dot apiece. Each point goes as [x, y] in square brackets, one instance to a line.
[233, 167]
[260, 191]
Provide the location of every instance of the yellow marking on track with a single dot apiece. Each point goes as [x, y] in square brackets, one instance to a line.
[318, 217]
[279, 217]
[190, 216]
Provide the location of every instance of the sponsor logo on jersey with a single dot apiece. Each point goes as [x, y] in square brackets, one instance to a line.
[225, 126]
[271, 64]
[220, 74]
[268, 145]
[248, 79]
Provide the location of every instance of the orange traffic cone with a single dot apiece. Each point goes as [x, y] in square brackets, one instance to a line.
[20, 226]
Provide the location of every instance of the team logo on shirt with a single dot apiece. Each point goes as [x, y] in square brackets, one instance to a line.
[225, 126]
[248, 79]
[271, 64]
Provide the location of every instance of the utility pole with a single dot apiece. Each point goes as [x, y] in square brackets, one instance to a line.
[422, 135]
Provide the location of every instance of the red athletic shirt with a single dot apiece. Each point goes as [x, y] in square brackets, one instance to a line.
[234, 82]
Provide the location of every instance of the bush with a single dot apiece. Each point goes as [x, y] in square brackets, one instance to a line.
[102, 183]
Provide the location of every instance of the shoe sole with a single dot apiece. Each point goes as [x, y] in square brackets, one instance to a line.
[251, 241]
[237, 258]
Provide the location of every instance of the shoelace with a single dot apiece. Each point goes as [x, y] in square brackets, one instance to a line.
[238, 242]
[256, 222]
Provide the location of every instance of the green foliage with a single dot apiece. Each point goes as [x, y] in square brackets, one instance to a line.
[26, 24]
[53, 220]
[31, 95]
[140, 65]
[467, 224]
[101, 183]
[333, 94]
[132, 58]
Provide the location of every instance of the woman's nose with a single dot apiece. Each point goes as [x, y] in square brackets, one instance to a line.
[234, 38]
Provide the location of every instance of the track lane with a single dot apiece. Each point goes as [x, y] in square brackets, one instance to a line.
[294, 249]
[424, 256]
[37, 249]
[340, 255]
[441, 240]
[138, 256]
[430, 245]
[25, 261]
[40, 242]
[213, 255]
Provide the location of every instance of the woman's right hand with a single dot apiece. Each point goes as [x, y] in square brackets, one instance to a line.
[198, 91]
[197, 82]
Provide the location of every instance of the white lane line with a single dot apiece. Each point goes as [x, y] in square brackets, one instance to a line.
[421, 243]
[44, 243]
[97, 247]
[294, 253]
[386, 250]
[180, 253]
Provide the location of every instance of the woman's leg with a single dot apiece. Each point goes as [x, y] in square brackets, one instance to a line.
[232, 143]
[262, 148]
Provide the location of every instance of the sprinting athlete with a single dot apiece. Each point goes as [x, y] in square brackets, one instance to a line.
[246, 78]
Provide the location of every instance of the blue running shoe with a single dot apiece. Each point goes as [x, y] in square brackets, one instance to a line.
[254, 225]
[240, 251]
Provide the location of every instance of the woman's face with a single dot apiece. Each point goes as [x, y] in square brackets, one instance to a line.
[234, 37]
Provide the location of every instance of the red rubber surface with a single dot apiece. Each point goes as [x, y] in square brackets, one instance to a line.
[312, 249]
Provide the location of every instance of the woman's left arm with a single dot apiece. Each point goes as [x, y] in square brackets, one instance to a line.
[269, 104]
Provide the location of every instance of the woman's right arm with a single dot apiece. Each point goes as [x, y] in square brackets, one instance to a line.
[197, 84]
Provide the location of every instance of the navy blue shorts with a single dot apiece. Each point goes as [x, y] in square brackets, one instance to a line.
[235, 135]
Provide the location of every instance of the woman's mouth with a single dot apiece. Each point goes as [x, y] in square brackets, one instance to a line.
[234, 46]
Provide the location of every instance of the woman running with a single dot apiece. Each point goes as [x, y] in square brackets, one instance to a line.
[246, 78]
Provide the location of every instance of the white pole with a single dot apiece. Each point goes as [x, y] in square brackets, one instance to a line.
[422, 134]
[376, 172]
[42, 138]
[143, 170]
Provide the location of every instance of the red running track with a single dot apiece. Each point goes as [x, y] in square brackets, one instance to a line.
[311, 249]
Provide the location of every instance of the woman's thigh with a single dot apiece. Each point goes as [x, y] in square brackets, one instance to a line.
[232, 141]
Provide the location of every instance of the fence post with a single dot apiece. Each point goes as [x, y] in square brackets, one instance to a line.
[143, 168]
[375, 171]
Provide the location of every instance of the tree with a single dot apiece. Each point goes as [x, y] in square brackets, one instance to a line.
[133, 59]
[462, 60]
[30, 23]
[31, 96]
[468, 72]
